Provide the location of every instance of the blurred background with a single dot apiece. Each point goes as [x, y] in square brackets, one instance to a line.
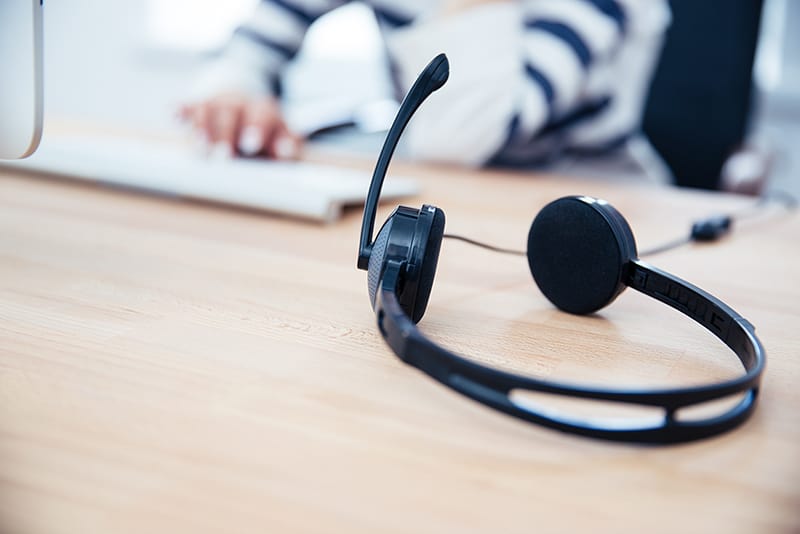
[132, 63]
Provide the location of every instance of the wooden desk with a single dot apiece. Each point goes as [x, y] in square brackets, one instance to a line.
[175, 367]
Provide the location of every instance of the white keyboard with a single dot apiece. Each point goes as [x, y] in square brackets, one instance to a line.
[307, 190]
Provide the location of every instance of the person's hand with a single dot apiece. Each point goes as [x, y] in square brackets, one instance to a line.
[242, 125]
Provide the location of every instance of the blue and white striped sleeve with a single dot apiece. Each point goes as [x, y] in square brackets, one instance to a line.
[261, 46]
[561, 42]
[517, 69]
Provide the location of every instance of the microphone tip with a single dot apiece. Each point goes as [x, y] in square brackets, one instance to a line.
[439, 70]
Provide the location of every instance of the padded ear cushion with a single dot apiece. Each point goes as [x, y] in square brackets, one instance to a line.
[578, 251]
[429, 262]
[376, 258]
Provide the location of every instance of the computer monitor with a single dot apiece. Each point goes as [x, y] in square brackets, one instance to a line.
[20, 77]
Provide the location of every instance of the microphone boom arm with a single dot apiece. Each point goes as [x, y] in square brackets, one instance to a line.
[432, 78]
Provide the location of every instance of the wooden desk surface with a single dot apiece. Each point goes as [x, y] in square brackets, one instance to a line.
[176, 367]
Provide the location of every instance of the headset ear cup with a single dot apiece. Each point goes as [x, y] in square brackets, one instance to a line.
[376, 260]
[578, 252]
[429, 262]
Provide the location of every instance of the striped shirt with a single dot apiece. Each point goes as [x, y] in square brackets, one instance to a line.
[530, 79]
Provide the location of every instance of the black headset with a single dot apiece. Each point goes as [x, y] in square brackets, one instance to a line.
[582, 254]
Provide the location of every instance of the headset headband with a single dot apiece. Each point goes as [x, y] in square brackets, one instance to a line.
[493, 387]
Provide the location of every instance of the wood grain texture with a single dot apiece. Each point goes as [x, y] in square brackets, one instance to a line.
[175, 367]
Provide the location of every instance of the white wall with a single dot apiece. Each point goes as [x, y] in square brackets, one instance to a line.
[98, 68]
[777, 73]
